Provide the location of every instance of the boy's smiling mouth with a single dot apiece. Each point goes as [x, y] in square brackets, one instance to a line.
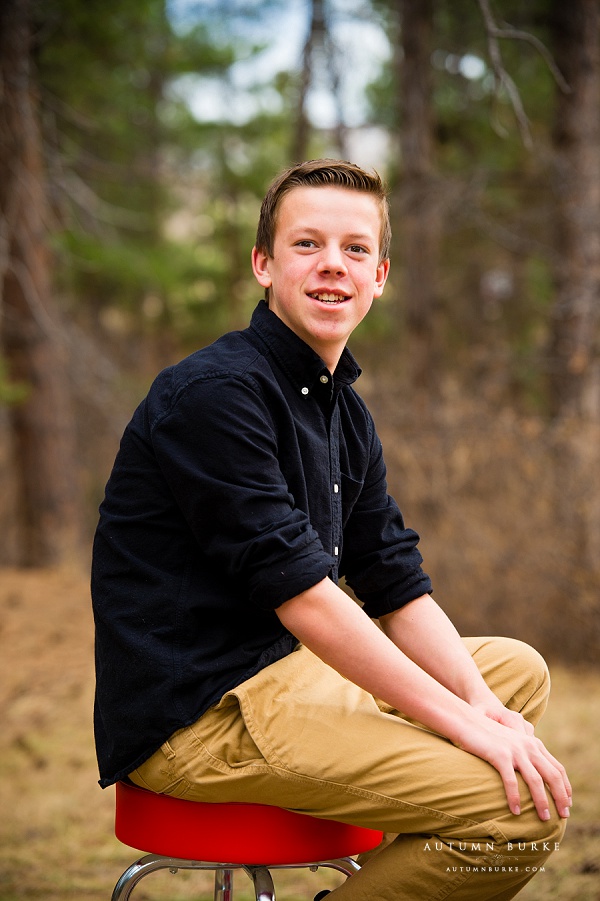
[329, 298]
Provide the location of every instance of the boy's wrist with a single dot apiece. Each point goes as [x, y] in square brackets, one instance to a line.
[481, 697]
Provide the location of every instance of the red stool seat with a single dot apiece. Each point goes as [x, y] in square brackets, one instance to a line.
[232, 833]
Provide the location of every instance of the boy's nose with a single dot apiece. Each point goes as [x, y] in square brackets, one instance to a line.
[332, 262]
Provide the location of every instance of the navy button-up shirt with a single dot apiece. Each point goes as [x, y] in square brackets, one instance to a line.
[247, 475]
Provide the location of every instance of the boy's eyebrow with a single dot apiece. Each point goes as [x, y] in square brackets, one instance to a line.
[312, 230]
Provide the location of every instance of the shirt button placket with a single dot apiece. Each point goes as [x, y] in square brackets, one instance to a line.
[336, 500]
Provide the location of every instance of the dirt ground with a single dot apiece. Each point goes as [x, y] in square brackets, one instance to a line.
[56, 828]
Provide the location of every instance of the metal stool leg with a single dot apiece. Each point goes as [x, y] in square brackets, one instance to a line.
[137, 871]
[263, 883]
[223, 884]
[346, 865]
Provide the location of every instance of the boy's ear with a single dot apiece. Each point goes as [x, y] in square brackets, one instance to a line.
[381, 277]
[260, 268]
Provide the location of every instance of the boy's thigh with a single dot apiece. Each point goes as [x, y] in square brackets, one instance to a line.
[299, 735]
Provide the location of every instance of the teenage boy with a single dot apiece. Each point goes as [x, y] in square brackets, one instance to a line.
[248, 481]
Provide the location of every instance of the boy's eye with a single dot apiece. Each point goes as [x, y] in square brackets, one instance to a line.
[305, 243]
[357, 248]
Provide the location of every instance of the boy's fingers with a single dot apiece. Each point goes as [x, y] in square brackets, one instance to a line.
[541, 770]
[542, 774]
[537, 790]
[511, 789]
[563, 775]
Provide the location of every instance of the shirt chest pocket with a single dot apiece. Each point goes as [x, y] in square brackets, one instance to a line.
[351, 489]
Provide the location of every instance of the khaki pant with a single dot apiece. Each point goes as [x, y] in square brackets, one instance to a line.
[298, 735]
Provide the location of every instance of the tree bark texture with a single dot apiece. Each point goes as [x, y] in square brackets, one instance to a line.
[575, 351]
[43, 429]
[319, 53]
[419, 228]
[315, 38]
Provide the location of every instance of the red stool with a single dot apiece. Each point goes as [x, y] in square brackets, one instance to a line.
[187, 835]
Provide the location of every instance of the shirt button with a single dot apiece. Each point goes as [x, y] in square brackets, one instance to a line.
[336, 488]
[324, 379]
[304, 391]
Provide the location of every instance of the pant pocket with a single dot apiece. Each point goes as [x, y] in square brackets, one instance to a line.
[223, 734]
[178, 789]
[161, 773]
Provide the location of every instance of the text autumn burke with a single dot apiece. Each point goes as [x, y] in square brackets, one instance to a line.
[490, 846]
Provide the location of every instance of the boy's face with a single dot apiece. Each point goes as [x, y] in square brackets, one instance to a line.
[324, 272]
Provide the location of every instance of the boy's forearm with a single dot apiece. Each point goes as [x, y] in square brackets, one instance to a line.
[424, 633]
[330, 624]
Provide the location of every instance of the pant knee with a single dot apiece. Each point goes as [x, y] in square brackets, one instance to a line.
[531, 695]
[521, 657]
[540, 837]
[530, 659]
[515, 672]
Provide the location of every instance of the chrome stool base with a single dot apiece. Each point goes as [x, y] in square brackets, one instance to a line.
[264, 890]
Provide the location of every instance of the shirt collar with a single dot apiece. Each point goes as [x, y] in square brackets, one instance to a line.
[301, 364]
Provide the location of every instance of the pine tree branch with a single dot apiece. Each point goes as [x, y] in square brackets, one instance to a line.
[502, 79]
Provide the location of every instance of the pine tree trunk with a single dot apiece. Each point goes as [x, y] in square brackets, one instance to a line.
[419, 230]
[42, 425]
[302, 129]
[575, 349]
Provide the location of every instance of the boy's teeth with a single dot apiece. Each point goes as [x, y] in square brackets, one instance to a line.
[329, 298]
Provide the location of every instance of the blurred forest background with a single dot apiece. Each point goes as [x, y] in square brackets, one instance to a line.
[136, 141]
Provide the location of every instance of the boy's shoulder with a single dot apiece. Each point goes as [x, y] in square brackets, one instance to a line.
[210, 371]
[231, 354]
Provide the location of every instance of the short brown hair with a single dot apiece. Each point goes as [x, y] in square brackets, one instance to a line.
[322, 173]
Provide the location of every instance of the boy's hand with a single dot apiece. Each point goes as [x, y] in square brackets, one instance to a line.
[511, 747]
[495, 710]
